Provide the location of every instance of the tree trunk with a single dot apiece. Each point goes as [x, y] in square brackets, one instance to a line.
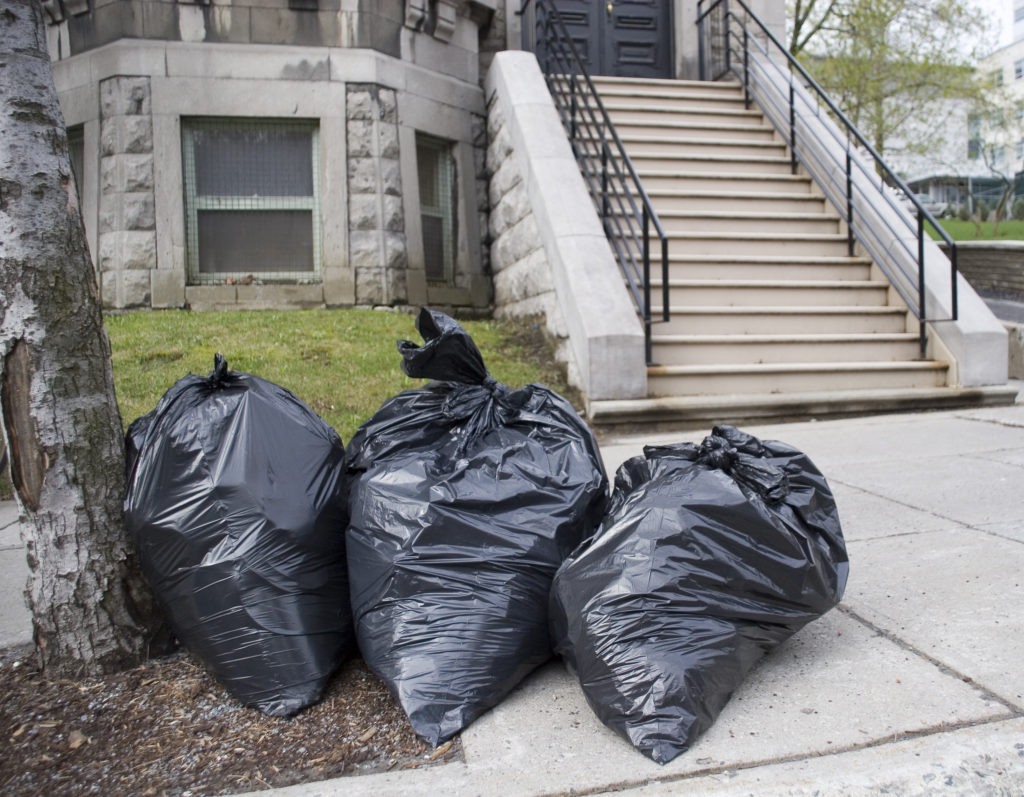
[91, 611]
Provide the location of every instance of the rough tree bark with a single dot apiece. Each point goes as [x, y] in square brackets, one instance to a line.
[91, 610]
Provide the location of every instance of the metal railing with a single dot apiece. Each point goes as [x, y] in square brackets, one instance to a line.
[626, 213]
[865, 191]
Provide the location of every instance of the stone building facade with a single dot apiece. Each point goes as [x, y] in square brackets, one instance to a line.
[280, 153]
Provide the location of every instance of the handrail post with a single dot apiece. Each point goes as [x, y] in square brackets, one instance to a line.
[647, 286]
[572, 113]
[849, 200]
[725, 34]
[952, 279]
[920, 282]
[746, 68]
[792, 124]
[605, 205]
[701, 56]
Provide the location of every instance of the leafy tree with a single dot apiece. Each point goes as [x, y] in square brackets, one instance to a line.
[888, 62]
[91, 610]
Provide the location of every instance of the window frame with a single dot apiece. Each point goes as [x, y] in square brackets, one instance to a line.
[194, 203]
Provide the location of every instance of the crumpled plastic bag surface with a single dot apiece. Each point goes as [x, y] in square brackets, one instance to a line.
[466, 496]
[709, 557]
[237, 503]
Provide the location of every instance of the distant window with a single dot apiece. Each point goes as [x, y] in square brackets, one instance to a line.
[973, 136]
[436, 167]
[1018, 69]
[76, 150]
[1019, 150]
[251, 199]
[997, 77]
[1018, 14]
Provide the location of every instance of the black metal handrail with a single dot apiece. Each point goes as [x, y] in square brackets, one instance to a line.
[626, 212]
[726, 44]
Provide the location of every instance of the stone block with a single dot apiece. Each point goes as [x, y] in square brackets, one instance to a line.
[124, 96]
[168, 287]
[396, 253]
[280, 297]
[387, 141]
[364, 212]
[365, 249]
[211, 297]
[524, 279]
[136, 134]
[517, 242]
[360, 138]
[512, 209]
[392, 213]
[370, 286]
[359, 104]
[109, 282]
[136, 287]
[507, 175]
[138, 213]
[390, 173]
[136, 172]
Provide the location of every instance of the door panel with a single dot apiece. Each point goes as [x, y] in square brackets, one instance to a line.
[630, 38]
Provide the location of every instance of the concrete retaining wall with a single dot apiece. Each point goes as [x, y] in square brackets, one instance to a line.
[549, 253]
[994, 268]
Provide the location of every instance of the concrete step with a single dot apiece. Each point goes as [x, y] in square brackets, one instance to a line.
[610, 85]
[690, 380]
[739, 244]
[686, 128]
[695, 201]
[740, 163]
[772, 293]
[681, 179]
[624, 111]
[759, 267]
[702, 412]
[750, 349]
[749, 222]
[776, 320]
[650, 146]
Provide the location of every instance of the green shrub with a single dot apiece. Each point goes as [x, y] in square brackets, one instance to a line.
[964, 212]
[1018, 209]
[981, 208]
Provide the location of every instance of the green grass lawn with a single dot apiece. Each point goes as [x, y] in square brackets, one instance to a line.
[342, 363]
[1011, 230]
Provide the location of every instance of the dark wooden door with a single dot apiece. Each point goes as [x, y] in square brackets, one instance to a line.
[628, 38]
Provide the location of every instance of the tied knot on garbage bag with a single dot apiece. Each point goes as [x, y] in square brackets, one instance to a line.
[465, 498]
[708, 558]
[236, 501]
[718, 451]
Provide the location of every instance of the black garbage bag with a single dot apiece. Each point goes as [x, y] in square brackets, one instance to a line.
[466, 496]
[237, 503]
[708, 558]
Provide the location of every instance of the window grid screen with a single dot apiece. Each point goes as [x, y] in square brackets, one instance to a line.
[252, 200]
[436, 169]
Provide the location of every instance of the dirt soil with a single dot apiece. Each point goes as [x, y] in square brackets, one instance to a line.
[168, 728]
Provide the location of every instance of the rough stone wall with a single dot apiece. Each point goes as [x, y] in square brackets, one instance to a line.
[377, 245]
[493, 38]
[523, 286]
[127, 220]
[994, 269]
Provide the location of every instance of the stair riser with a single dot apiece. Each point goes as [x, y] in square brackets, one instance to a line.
[685, 129]
[687, 147]
[756, 246]
[746, 204]
[713, 181]
[778, 324]
[773, 297]
[782, 352]
[767, 271]
[824, 379]
[732, 165]
[683, 104]
[823, 225]
[634, 114]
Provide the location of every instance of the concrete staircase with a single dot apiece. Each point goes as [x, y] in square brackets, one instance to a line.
[771, 315]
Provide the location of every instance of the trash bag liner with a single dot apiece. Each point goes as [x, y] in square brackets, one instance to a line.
[465, 498]
[237, 503]
[709, 557]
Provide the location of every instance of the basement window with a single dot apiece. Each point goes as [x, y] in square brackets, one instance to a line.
[252, 205]
[435, 164]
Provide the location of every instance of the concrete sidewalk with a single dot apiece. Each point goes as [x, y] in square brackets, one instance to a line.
[913, 686]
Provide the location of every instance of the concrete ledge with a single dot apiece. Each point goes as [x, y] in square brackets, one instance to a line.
[605, 333]
[704, 411]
